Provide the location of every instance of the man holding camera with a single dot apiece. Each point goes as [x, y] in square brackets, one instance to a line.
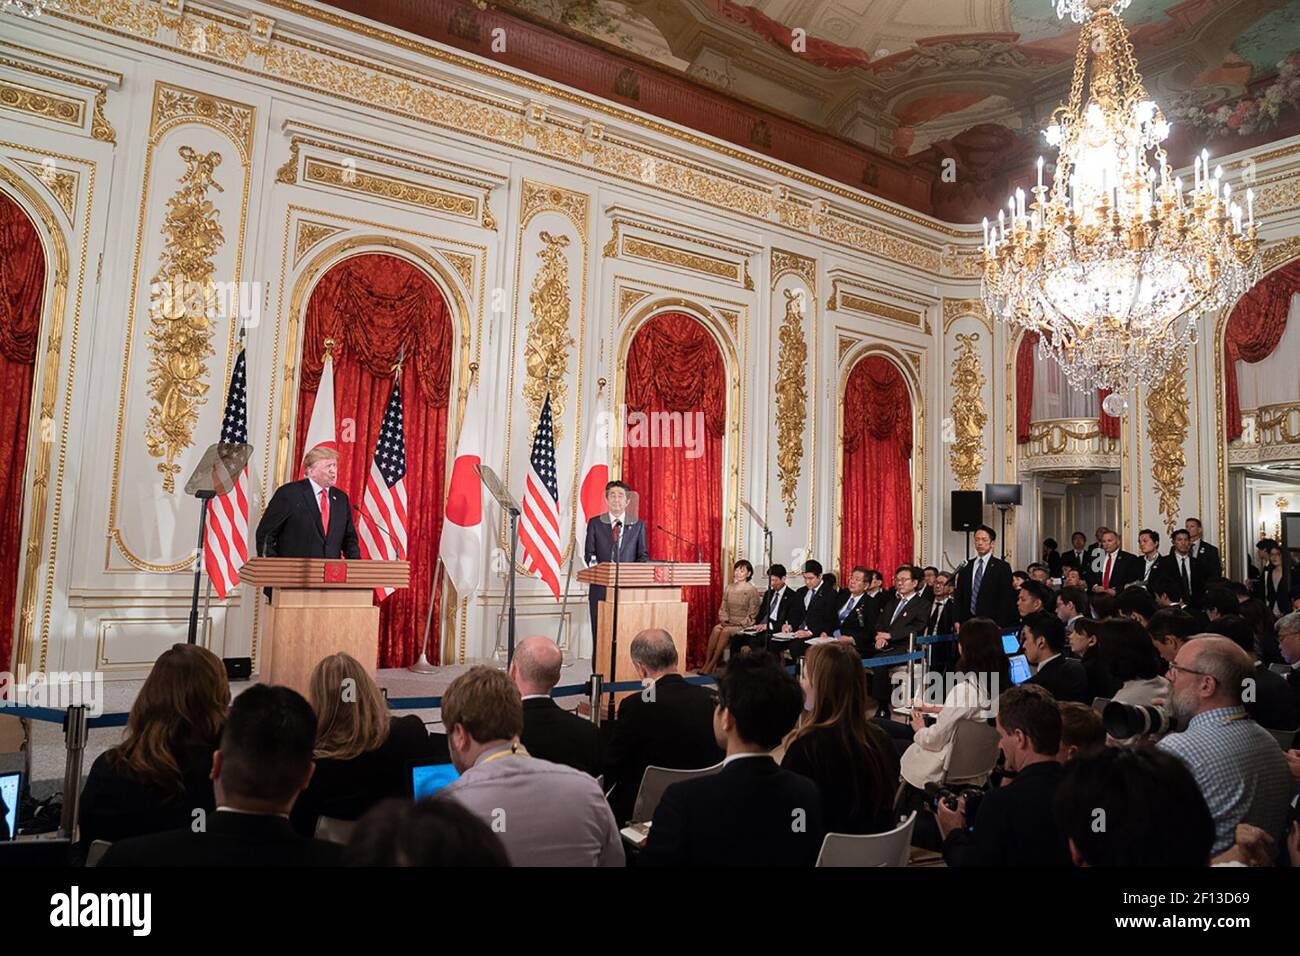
[1014, 826]
[1237, 764]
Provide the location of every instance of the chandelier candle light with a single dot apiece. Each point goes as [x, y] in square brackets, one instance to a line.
[1115, 262]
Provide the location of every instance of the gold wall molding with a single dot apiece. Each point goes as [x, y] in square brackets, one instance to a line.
[100, 128]
[287, 173]
[338, 176]
[791, 401]
[1059, 444]
[540, 197]
[628, 298]
[954, 309]
[67, 110]
[851, 302]
[1278, 255]
[791, 263]
[63, 184]
[180, 325]
[309, 234]
[662, 254]
[464, 265]
[966, 457]
[1167, 423]
[547, 340]
[1278, 195]
[174, 106]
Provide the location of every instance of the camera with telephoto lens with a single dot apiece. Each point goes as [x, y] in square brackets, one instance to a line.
[949, 799]
[1134, 720]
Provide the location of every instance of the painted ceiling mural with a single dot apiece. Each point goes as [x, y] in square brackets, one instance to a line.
[914, 82]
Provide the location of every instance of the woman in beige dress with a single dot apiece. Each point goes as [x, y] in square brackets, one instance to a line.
[740, 603]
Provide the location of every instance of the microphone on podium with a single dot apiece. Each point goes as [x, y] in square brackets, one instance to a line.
[377, 523]
[699, 557]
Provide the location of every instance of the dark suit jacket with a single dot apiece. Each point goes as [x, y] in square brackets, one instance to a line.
[1274, 706]
[1065, 678]
[822, 613]
[943, 654]
[1195, 570]
[346, 789]
[861, 622]
[1207, 556]
[599, 545]
[674, 730]
[231, 839]
[1125, 568]
[552, 733]
[291, 526]
[116, 804]
[784, 610]
[741, 816]
[910, 621]
[1071, 560]
[997, 598]
[1165, 569]
[1293, 682]
[1014, 825]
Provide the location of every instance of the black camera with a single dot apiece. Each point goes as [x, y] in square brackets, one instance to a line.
[949, 798]
[1132, 720]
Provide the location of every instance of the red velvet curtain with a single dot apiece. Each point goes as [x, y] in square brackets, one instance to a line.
[674, 365]
[1025, 393]
[372, 306]
[22, 287]
[1254, 329]
[876, 530]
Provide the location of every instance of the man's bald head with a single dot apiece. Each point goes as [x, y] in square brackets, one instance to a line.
[1208, 674]
[535, 668]
[654, 650]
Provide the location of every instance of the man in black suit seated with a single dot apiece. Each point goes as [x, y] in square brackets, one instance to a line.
[1288, 642]
[1272, 705]
[1034, 596]
[984, 583]
[550, 732]
[904, 615]
[1014, 825]
[1042, 637]
[774, 612]
[669, 724]
[752, 812]
[941, 619]
[857, 612]
[814, 614]
[1116, 568]
[294, 523]
[264, 762]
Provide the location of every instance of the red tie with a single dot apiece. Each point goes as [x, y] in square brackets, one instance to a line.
[325, 511]
[1105, 576]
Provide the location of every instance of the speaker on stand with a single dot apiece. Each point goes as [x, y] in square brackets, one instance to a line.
[967, 513]
[1005, 497]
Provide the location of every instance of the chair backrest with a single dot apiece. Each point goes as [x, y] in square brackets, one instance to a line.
[871, 849]
[96, 852]
[656, 781]
[1284, 738]
[38, 851]
[334, 830]
[973, 753]
[1099, 704]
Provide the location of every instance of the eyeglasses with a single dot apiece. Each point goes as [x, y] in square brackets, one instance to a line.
[1188, 670]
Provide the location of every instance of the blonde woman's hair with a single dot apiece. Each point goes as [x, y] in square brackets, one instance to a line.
[352, 716]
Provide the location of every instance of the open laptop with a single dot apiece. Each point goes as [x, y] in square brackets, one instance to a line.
[427, 777]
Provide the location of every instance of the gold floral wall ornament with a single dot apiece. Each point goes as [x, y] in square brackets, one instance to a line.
[100, 128]
[968, 416]
[791, 399]
[547, 344]
[1167, 423]
[181, 313]
[288, 171]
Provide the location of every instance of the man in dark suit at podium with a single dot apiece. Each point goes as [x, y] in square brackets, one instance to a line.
[614, 532]
[310, 518]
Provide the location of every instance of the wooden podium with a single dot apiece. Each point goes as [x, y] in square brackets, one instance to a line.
[320, 607]
[649, 595]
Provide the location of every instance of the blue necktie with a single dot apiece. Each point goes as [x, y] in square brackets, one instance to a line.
[975, 585]
[847, 609]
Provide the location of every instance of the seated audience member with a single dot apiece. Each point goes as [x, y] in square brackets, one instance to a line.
[362, 752]
[1071, 607]
[669, 724]
[775, 608]
[551, 732]
[1237, 764]
[815, 611]
[435, 833]
[1288, 643]
[1038, 572]
[752, 812]
[1084, 645]
[1154, 812]
[739, 610]
[1102, 605]
[1132, 661]
[161, 772]
[1073, 578]
[1042, 637]
[982, 664]
[263, 763]
[1270, 701]
[1167, 592]
[1264, 624]
[1034, 596]
[1136, 602]
[1018, 579]
[1170, 629]
[902, 617]
[857, 612]
[547, 814]
[839, 747]
[1014, 825]
[1081, 731]
[1219, 602]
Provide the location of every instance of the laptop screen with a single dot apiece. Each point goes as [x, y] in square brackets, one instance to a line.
[1011, 643]
[428, 778]
[9, 790]
[1019, 669]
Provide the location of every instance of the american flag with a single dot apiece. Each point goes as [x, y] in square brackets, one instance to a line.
[382, 530]
[539, 526]
[225, 544]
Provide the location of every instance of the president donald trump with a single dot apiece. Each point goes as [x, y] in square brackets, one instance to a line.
[310, 518]
[611, 533]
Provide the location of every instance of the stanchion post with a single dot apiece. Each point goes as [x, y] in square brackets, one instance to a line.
[74, 740]
[595, 685]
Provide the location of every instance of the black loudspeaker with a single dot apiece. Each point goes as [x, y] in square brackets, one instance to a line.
[967, 510]
[1002, 494]
[238, 668]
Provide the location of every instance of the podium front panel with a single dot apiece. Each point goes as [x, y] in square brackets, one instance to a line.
[308, 625]
[638, 609]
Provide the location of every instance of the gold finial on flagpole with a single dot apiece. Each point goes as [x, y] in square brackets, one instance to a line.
[600, 385]
[397, 366]
[473, 372]
[329, 348]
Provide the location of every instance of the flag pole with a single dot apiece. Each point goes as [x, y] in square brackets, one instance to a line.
[423, 666]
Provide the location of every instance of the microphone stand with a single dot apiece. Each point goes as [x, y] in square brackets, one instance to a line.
[613, 640]
[699, 557]
[767, 533]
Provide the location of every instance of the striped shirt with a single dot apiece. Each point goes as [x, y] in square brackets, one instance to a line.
[1240, 770]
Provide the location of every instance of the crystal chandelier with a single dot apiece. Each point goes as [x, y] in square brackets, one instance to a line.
[1113, 264]
[28, 8]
